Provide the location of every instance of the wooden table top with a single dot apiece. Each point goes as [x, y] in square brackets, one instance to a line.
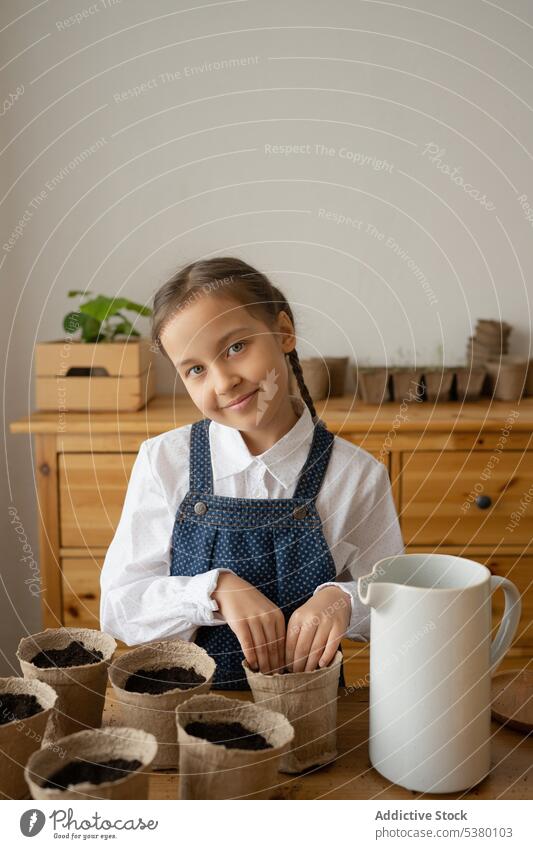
[342, 414]
[352, 776]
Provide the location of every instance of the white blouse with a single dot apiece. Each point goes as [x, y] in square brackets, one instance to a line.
[141, 601]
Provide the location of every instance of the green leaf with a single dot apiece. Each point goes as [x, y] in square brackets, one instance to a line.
[89, 327]
[131, 305]
[73, 292]
[100, 307]
[103, 308]
[72, 322]
[94, 318]
[125, 328]
[91, 330]
[126, 304]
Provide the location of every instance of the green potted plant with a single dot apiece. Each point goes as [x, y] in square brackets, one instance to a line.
[102, 319]
[103, 364]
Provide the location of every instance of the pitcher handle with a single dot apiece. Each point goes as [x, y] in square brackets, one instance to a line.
[510, 619]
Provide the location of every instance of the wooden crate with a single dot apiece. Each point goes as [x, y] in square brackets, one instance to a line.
[118, 375]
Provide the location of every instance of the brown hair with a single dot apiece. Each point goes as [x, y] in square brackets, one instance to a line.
[237, 280]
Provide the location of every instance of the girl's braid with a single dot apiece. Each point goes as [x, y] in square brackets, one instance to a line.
[304, 391]
[293, 356]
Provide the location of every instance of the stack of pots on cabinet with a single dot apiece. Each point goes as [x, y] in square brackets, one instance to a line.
[489, 370]
[507, 375]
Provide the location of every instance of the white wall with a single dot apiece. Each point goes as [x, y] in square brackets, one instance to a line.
[186, 168]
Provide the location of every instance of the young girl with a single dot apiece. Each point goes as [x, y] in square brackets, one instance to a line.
[246, 530]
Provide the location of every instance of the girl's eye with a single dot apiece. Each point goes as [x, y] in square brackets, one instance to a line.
[195, 373]
[188, 372]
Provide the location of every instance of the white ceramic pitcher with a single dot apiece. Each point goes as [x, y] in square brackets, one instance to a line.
[431, 661]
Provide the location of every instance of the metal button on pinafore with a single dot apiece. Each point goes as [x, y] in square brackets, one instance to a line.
[277, 544]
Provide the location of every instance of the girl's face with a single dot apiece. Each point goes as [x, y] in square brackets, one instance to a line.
[224, 354]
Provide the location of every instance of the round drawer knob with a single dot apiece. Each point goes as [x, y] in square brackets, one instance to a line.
[300, 512]
[483, 502]
[200, 508]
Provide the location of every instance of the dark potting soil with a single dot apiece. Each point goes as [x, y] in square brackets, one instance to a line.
[156, 681]
[18, 706]
[78, 771]
[232, 735]
[75, 654]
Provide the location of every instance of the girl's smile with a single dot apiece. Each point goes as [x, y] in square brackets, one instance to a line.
[241, 402]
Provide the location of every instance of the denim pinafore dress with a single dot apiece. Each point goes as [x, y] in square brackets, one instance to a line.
[276, 544]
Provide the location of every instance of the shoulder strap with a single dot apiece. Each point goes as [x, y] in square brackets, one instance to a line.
[315, 466]
[200, 473]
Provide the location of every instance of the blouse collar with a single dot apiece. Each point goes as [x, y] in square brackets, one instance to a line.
[284, 459]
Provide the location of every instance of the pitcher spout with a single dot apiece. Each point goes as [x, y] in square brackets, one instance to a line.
[371, 591]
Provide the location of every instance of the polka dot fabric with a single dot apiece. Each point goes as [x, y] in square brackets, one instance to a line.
[276, 544]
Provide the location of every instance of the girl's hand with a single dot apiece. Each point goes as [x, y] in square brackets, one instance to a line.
[315, 629]
[257, 623]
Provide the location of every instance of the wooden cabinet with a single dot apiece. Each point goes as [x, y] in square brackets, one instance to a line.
[80, 589]
[91, 494]
[461, 476]
[80, 585]
[465, 498]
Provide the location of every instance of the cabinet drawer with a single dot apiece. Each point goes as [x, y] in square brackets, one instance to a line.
[92, 488]
[439, 491]
[81, 593]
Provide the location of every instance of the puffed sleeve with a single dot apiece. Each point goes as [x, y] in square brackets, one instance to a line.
[373, 533]
[140, 600]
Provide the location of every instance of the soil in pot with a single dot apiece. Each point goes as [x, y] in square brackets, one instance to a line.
[75, 654]
[212, 769]
[74, 662]
[77, 772]
[18, 706]
[160, 680]
[25, 709]
[232, 735]
[150, 681]
[99, 763]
